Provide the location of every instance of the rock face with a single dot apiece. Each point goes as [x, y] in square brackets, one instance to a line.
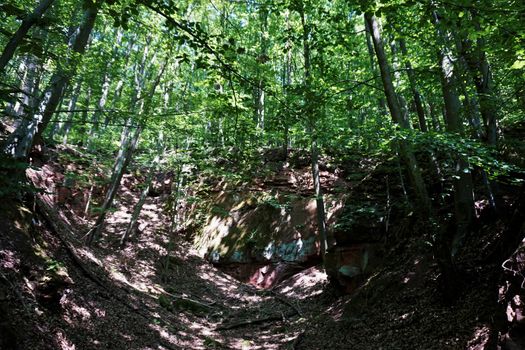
[265, 231]
[347, 266]
[244, 229]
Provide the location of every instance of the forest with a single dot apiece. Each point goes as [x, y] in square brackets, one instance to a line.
[262, 174]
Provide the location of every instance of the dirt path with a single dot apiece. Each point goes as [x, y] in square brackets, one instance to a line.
[146, 297]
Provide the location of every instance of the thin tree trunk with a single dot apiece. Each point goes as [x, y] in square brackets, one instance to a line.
[479, 67]
[22, 139]
[124, 158]
[370, 47]
[463, 187]
[99, 110]
[53, 130]
[473, 113]
[450, 240]
[88, 201]
[173, 228]
[29, 87]
[409, 159]
[120, 84]
[434, 116]
[321, 216]
[122, 164]
[260, 95]
[413, 87]
[397, 78]
[28, 22]
[84, 116]
[286, 83]
[138, 207]
[71, 107]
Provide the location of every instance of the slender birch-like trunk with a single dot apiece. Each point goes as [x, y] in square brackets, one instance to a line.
[22, 139]
[406, 152]
[27, 23]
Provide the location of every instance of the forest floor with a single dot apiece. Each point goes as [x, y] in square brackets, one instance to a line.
[156, 293]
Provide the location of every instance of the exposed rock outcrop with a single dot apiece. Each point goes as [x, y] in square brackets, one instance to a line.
[265, 230]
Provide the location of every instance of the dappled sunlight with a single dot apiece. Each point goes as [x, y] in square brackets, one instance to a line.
[63, 342]
[164, 333]
[8, 259]
[305, 284]
[88, 254]
[236, 270]
[480, 338]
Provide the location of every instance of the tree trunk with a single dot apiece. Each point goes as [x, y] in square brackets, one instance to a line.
[409, 159]
[397, 78]
[127, 149]
[28, 22]
[84, 117]
[370, 47]
[71, 108]
[473, 110]
[95, 119]
[120, 84]
[434, 114]
[22, 139]
[260, 93]
[451, 239]
[174, 222]
[311, 121]
[147, 185]
[463, 187]
[286, 83]
[413, 87]
[29, 86]
[121, 165]
[479, 67]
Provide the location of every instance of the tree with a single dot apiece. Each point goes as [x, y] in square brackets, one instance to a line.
[23, 138]
[27, 23]
[414, 173]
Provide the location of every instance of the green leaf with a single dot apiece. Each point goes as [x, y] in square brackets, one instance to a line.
[518, 64]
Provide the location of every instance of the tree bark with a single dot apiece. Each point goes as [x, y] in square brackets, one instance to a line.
[409, 159]
[121, 165]
[310, 117]
[22, 139]
[147, 185]
[71, 107]
[27, 23]
[413, 87]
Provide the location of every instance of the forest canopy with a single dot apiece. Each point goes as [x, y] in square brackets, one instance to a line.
[295, 133]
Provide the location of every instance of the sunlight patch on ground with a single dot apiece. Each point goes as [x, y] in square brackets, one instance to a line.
[8, 259]
[89, 255]
[165, 334]
[63, 342]
[305, 284]
[480, 338]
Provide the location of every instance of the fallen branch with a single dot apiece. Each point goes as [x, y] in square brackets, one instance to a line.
[61, 229]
